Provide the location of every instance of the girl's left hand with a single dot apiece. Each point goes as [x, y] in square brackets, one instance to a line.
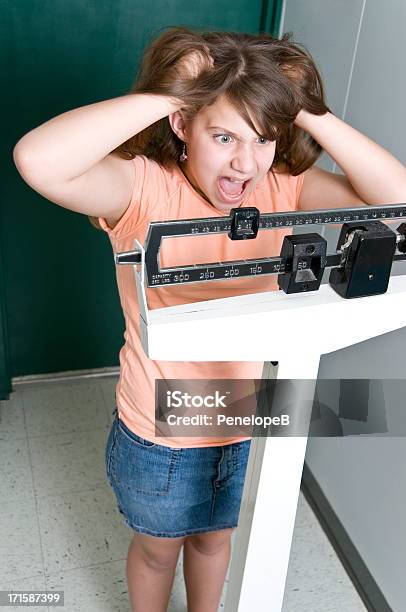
[299, 121]
[308, 88]
[304, 119]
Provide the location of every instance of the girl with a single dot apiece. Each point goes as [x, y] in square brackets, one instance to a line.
[215, 120]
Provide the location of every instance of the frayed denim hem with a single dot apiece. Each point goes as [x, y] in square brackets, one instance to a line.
[177, 534]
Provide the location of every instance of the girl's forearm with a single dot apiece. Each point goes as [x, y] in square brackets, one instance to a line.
[374, 173]
[68, 145]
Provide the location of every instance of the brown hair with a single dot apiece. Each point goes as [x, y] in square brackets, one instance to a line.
[272, 78]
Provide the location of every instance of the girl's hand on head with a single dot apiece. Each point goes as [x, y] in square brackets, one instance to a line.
[192, 65]
[308, 89]
[302, 119]
[298, 119]
[172, 66]
[184, 77]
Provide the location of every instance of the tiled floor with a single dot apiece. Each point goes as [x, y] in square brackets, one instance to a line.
[59, 525]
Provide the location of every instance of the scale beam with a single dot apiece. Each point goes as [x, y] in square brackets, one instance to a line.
[246, 228]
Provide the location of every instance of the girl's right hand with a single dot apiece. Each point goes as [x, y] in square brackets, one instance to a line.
[183, 76]
[176, 61]
[193, 64]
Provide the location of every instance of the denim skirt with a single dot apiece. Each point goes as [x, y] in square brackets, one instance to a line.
[173, 492]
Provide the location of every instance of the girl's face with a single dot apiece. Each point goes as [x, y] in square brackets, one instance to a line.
[226, 158]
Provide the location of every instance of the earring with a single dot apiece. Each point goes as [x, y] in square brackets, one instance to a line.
[183, 156]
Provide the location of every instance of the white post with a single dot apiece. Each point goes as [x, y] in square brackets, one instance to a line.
[261, 550]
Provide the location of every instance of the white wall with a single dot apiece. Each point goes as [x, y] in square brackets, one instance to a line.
[359, 48]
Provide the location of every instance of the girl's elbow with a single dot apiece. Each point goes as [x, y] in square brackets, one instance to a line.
[22, 156]
[27, 161]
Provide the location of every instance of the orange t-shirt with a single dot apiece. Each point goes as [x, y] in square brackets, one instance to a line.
[162, 194]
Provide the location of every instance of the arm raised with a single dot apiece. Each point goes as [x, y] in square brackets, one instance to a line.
[372, 174]
[68, 159]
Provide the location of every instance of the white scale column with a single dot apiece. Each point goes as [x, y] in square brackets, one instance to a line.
[295, 330]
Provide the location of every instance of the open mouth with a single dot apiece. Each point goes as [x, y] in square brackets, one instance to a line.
[230, 190]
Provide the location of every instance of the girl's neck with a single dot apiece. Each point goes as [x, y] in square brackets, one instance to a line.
[195, 187]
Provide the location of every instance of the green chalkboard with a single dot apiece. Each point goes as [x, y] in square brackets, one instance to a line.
[59, 305]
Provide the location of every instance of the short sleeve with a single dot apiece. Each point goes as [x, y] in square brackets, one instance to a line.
[149, 191]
